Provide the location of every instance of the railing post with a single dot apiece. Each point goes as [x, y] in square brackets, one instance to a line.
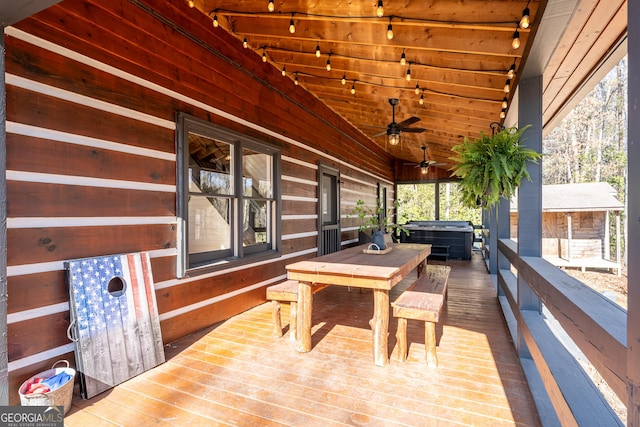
[530, 194]
[633, 240]
[493, 239]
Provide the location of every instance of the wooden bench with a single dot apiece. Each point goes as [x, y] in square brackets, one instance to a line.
[286, 291]
[423, 300]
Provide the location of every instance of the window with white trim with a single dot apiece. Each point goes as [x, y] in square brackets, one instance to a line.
[228, 196]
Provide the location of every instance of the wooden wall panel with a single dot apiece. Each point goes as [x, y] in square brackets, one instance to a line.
[55, 200]
[31, 245]
[49, 286]
[186, 66]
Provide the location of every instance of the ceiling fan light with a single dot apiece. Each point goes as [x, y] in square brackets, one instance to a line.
[394, 138]
[424, 168]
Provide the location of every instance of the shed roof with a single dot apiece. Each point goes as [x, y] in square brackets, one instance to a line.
[590, 196]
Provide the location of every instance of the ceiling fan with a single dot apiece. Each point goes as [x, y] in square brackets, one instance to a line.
[395, 129]
[424, 164]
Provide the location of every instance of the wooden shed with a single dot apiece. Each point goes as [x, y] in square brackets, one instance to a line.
[576, 223]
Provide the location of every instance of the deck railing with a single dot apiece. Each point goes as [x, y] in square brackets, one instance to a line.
[543, 306]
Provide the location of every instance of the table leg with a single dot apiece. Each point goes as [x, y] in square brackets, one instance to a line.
[380, 327]
[303, 323]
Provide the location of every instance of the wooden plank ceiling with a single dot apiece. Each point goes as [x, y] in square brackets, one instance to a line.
[458, 55]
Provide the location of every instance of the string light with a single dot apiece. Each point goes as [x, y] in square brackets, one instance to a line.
[403, 58]
[512, 71]
[284, 71]
[417, 89]
[264, 56]
[503, 113]
[192, 3]
[245, 43]
[318, 50]
[525, 21]
[390, 30]
[329, 63]
[516, 39]
[292, 26]
[408, 77]
[505, 102]
[421, 100]
[344, 79]
[353, 88]
[271, 7]
[295, 81]
[215, 20]
[507, 86]
[380, 9]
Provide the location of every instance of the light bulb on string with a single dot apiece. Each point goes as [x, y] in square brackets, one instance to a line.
[353, 88]
[507, 86]
[512, 71]
[505, 102]
[264, 56]
[390, 31]
[515, 43]
[417, 89]
[284, 71]
[525, 21]
[403, 58]
[295, 80]
[292, 26]
[379, 9]
[408, 76]
[191, 3]
[215, 20]
[318, 50]
[245, 43]
[271, 7]
[421, 100]
[329, 63]
[503, 114]
[344, 79]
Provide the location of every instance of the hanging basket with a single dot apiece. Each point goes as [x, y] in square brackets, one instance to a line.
[60, 396]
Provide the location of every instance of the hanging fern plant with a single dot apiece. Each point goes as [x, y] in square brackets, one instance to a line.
[492, 166]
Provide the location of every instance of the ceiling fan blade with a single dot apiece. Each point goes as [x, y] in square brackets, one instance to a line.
[413, 130]
[379, 134]
[409, 121]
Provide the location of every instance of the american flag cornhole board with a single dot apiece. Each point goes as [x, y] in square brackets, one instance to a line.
[114, 319]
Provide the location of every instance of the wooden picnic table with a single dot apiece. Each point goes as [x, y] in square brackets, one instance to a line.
[354, 268]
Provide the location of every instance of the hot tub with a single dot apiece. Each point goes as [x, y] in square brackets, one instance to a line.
[457, 235]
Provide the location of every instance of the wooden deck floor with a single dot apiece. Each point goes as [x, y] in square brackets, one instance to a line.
[235, 373]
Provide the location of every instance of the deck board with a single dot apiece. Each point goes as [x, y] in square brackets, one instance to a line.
[236, 373]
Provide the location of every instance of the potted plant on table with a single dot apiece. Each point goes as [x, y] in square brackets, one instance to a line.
[376, 221]
[492, 166]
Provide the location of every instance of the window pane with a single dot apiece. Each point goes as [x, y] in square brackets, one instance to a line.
[210, 166]
[451, 206]
[418, 202]
[255, 229]
[257, 174]
[209, 224]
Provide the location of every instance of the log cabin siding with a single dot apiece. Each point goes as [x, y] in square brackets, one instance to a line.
[93, 89]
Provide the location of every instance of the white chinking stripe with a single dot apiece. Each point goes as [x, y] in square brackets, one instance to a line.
[76, 98]
[39, 357]
[299, 235]
[21, 316]
[293, 217]
[68, 53]
[87, 181]
[298, 180]
[49, 222]
[45, 267]
[300, 199]
[70, 138]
